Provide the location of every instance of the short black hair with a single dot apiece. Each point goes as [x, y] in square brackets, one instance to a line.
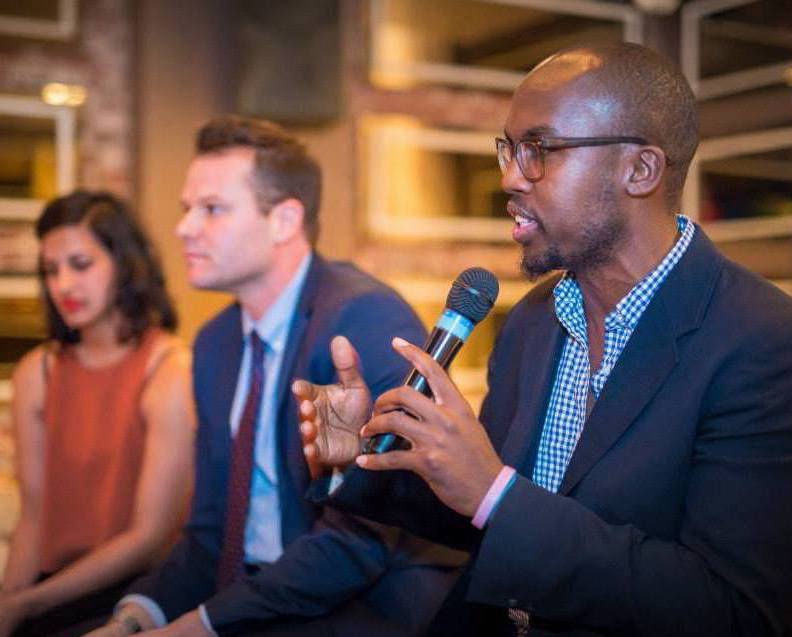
[656, 100]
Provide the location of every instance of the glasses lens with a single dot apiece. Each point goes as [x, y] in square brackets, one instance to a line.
[529, 159]
[504, 151]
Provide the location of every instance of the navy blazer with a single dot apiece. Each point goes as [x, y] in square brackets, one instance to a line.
[674, 516]
[370, 560]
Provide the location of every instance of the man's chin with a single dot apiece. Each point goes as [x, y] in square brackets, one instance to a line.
[204, 283]
[532, 273]
[534, 267]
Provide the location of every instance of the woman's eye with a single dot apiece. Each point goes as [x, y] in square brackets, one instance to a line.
[81, 264]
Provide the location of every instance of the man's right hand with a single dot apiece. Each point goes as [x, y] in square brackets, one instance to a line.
[331, 416]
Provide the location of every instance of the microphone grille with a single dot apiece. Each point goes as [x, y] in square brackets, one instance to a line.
[473, 293]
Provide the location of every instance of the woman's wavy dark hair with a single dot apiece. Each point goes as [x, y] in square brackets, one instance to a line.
[140, 294]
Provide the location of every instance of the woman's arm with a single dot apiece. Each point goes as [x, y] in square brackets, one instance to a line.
[162, 493]
[27, 417]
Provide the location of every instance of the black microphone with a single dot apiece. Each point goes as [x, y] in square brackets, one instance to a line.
[470, 299]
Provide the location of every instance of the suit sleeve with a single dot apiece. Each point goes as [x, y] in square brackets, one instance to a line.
[727, 569]
[324, 573]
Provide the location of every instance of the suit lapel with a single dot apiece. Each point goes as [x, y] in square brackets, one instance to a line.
[543, 343]
[294, 359]
[650, 355]
[224, 384]
[643, 366]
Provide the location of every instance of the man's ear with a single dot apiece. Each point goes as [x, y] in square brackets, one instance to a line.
[286, 220]
[645, 171]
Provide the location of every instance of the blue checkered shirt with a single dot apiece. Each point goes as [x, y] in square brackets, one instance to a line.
[566, 412]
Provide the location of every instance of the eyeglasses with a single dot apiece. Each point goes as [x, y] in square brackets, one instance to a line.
[530, 153]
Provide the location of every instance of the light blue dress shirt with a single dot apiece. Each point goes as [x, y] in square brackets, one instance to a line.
[263, 528]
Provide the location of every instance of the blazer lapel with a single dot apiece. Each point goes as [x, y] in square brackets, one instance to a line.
[642, 368]
[226, 374]
[650, 355]
[544, 340]
[294, 358]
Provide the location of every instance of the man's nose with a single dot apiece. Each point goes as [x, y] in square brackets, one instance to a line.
[188, 225]
[513, 180]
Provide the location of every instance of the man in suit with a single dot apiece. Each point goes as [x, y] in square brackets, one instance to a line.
[631, 469]
[250, 203]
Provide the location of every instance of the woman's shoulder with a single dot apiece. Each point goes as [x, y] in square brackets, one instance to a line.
[167, 381]
[36, 363]
[31, 372]
[166, 352]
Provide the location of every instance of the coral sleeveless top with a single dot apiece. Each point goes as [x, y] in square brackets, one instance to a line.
[95, 438]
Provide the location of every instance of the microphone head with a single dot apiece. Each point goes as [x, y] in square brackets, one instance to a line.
[473, 293]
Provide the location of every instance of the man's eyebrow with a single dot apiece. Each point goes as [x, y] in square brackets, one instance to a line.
[535, 132]
[539, 131]
[203, 200]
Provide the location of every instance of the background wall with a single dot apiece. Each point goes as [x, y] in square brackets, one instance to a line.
[184, 76]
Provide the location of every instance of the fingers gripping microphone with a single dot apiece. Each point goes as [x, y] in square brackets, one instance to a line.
[470, 299]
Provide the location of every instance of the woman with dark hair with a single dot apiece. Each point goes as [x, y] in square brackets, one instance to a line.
[104, 423]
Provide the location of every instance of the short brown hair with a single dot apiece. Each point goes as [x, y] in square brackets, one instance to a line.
[282, 167]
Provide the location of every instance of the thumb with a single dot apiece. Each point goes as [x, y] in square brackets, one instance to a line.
[346, 362]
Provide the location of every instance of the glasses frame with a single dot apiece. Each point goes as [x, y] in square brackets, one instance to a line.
[544, 145]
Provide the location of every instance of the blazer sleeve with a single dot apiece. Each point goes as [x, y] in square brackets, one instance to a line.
[182, 582]
[727, 571]
[321, 573]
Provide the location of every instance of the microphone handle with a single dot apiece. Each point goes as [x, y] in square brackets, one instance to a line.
[442, 346]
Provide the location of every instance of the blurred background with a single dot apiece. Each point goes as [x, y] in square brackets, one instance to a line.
[399, 100]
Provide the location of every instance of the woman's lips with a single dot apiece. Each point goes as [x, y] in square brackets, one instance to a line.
[71, 305]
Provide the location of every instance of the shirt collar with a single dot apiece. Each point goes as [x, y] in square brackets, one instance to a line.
[569, 299]
[628, 311]
[273, 326]
[569, 307]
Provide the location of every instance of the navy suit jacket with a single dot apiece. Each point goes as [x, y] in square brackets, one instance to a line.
[674, 517]
[352, 567]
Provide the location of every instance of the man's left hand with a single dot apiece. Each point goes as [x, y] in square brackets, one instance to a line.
[450, 448]
[188, 625]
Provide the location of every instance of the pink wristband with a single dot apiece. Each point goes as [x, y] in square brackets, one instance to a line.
[492, 497]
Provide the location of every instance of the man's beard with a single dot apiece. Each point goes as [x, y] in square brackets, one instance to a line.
[596, 245]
